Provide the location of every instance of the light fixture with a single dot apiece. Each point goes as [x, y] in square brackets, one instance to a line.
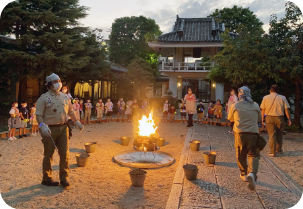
[214, 85]
[179, 84]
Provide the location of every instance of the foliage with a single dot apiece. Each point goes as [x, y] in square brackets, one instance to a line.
[237, 18]
[129, 37]
[256, 57]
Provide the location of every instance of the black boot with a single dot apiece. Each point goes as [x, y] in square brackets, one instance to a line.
[50, 183]
[64, 183]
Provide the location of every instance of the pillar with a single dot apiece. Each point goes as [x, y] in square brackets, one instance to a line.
[213, 91]
[173, 84]
[179, 96]
[220, 92]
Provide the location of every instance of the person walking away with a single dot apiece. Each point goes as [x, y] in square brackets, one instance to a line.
[128, 111]
[88, 111]
[166, 107]
[99, 110]
[14, 121]
[245, 114]
[200, 111]
[52, 110]
[109, 110]
[172, 113]
[190, 100]
[218, 112]
[81, 111]
[24, 117]
[33, 119]
[273, 107]
[121, 109]
[183, 112]
[76, 108]
[210, 113]
[232, 99]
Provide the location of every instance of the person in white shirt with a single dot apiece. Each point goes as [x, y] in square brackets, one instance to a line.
[232, 99]
[109, 110]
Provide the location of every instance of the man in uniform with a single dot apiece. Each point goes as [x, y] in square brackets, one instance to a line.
[53, 109]
[273, 107]
[245, 114]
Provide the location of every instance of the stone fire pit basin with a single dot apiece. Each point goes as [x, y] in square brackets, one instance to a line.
[139, 159]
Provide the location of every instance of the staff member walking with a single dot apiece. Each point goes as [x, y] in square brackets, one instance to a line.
[273, 107]
[52, 111]
[245, 114]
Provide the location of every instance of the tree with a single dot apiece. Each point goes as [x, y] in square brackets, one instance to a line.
[255, 57]
[128, 39]
[49, 39]
[236, 18]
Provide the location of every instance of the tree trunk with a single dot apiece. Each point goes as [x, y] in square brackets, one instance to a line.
[298, 104]
[72, 88]
[23, 89]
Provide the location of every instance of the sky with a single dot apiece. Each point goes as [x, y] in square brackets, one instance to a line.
[103, 13]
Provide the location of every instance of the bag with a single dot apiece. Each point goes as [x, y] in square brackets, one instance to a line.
[261, 142]
[16, 122]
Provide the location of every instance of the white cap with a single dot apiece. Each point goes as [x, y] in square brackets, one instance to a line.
[52, 77]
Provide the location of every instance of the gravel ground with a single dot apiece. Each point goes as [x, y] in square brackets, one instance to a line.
[291, 161]
[101, 184]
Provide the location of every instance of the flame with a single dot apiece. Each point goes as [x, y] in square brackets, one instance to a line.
[147, 125]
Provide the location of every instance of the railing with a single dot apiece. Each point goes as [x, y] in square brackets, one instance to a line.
[186, 66]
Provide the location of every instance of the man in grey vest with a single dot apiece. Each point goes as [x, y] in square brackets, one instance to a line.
[273, 107]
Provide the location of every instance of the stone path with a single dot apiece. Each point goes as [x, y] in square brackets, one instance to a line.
[219, 186]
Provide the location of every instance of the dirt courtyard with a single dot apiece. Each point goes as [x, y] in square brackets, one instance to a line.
[101, 184]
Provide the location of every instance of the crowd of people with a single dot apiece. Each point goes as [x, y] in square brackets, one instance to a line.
[243, 113]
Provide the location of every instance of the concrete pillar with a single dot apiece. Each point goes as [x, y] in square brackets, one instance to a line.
[180, 88]
[220, 92]
[173, 83]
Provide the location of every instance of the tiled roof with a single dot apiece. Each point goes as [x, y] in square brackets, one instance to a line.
[195, 30]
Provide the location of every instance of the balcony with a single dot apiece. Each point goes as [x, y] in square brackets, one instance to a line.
[185, 66]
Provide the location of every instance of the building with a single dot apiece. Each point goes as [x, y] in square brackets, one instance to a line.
[190, 38]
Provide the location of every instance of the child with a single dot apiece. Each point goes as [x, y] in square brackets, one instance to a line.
[76, 108]
[121, 109]
[226, 113]
[165, 110]
[24, 117]
[109, 110]
[172, 113]
[14, 121]
[200, 111]
[81, 111]
[218, 112]
[210, 114]
[135, 110]
[183, 112]
[88, 111]
[128, 111]
[35, 125]
[99, 110]
[145, 107]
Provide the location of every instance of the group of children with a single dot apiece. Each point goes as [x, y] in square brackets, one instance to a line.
[20, 118]
[130, 109]
[213, 113]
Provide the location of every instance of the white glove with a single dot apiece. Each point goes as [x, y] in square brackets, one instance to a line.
[45, 130]
[79, 125]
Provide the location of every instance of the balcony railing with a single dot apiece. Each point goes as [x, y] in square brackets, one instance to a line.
[167, 66]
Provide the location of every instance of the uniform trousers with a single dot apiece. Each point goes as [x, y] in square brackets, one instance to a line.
[274, 126]
[60, 136]
[246, 146]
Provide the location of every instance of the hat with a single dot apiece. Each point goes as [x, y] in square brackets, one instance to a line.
[52, 77]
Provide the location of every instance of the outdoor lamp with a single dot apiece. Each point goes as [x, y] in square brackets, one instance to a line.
[179, 84]
[214, 85]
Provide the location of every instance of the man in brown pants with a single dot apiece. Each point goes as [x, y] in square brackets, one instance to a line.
[245, 114]
[53, 109]
[273, 107]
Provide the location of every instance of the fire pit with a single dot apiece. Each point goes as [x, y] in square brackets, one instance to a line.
[145, 155]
